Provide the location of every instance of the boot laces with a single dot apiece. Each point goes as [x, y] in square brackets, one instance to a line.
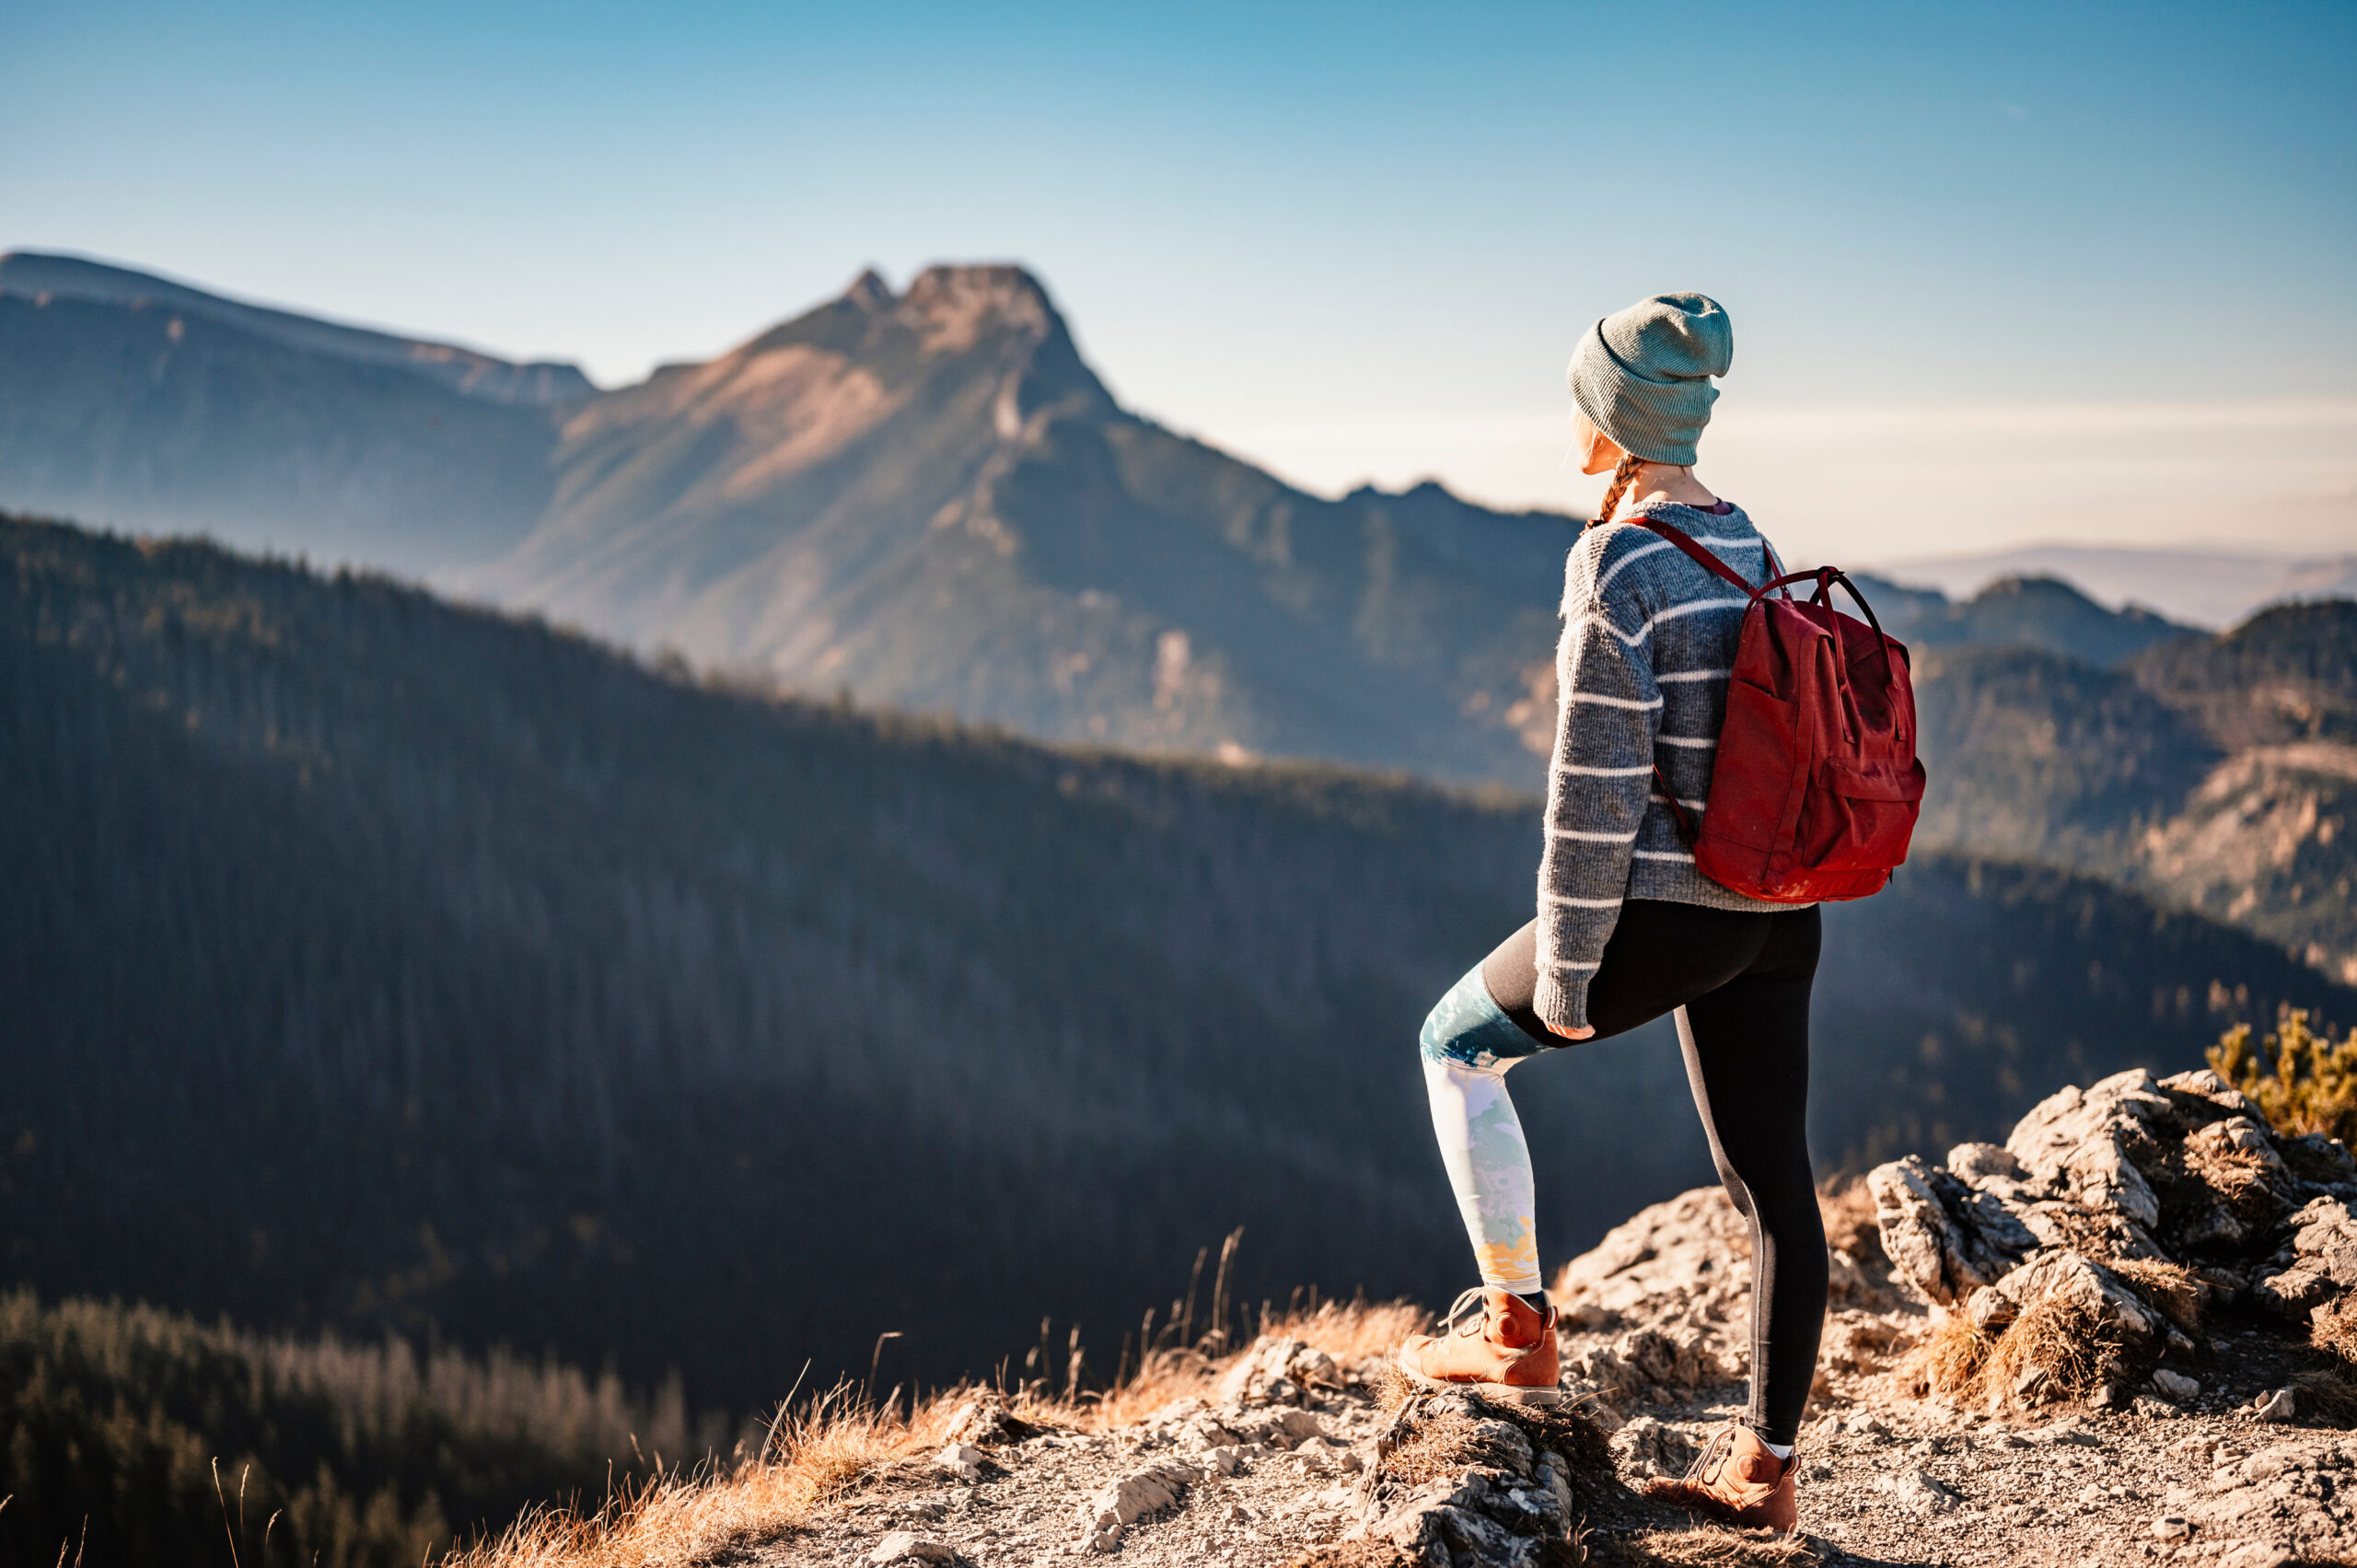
[1722, 1443]
[1456, 1309]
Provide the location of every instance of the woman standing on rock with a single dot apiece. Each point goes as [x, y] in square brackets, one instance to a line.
[1627, 929]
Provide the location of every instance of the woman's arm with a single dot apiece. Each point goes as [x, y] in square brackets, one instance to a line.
[1597, 787]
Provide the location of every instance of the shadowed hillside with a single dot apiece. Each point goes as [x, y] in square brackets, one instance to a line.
[375, 962]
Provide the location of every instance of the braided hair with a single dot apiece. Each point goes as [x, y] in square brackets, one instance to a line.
[1624, 474]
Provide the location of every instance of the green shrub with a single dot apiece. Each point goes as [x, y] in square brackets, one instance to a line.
[2301, 1081]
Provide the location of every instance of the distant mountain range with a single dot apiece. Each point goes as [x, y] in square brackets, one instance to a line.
[927, 500]
[2210, 589]
[373, 961]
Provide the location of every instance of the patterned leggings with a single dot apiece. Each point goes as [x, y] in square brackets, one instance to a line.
[1739, 983]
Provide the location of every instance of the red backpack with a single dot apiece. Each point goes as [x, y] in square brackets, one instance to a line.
[1816, 787]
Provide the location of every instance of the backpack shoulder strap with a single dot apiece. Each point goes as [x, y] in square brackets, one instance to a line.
[1702, 557]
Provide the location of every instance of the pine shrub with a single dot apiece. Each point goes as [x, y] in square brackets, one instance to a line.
[2301, 1081]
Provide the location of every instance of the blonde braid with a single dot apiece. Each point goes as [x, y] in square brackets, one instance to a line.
[1624, 474]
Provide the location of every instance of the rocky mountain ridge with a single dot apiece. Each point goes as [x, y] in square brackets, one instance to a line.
[44, 278]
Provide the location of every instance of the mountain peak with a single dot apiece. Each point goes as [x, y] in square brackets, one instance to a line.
[869, 291]
[964, 298]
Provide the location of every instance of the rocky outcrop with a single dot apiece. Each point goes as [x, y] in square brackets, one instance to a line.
[2108, 1219]
[1501, 1498]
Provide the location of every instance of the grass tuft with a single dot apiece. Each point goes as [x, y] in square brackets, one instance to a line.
[2332, 1329]
[1949, 1362]
[2061, 1338]
[2173, 1290]
[840, 1442]
[2328, 1396]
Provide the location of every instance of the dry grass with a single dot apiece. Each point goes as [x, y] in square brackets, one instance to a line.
[1440, 1447]
[683, 1517]
[1950, 1360]
[2173, 1290]
[1964, 1365]
[1353, 1331]
[2236, 1175]
[2061, 1338]
[2332, 1329]
[2328, 1396]
[820, 1452]
[1706, 1545]
[1849, 1211]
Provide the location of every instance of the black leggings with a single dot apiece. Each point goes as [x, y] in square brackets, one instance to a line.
[1740, 985]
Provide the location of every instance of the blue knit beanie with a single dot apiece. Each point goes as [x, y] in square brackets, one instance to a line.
[1644, 375]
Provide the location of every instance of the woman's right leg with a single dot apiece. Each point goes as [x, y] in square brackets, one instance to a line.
[1742, 981]
[1746, 1061]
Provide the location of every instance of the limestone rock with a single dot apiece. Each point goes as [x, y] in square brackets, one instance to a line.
[1279, 1369]
[904, 1546]
[2081, 1282]
[1650, 1448]
[962, 1460]
[1914, 1489]
[1941, 1234]
[986, 1418]
[2181, 1170]
[1114, 1509]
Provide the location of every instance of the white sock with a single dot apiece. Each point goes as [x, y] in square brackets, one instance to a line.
[1782, 1450]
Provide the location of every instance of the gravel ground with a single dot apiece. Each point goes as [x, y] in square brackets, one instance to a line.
[1886, 1481]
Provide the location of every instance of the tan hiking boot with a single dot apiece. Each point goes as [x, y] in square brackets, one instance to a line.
[1737, 1481]
[1505, 1351]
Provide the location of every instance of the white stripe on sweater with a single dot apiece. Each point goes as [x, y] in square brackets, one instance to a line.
[1659, 544]
[1691, 675]
[1607, 772]
[1675, 611]
[1684, 740]
[1579, 903]
[1659, 854]
[1615, 702]
[1586, 837]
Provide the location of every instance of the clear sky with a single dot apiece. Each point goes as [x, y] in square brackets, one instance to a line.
[2036, 272]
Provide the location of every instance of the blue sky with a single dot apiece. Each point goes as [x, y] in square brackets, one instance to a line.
[1350, 240]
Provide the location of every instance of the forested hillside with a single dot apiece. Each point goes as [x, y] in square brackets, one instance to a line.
[374, 962]
[135, 1436]
[2210, 774]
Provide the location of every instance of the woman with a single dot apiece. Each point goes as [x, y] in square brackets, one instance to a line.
[1627, 929]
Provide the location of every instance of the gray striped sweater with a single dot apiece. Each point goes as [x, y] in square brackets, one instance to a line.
[1649, 637]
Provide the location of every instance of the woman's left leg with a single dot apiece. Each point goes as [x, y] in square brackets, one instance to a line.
[1660, 954]
[1467, 1045]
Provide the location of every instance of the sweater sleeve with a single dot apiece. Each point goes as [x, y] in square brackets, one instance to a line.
[1597, 788]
